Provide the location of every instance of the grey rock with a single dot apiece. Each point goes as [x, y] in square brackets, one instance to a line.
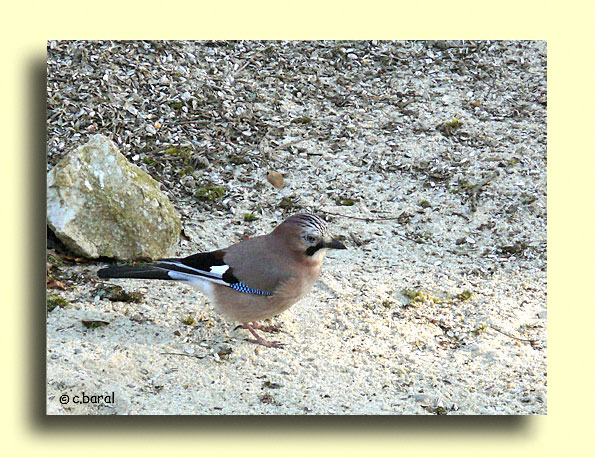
[99, 204]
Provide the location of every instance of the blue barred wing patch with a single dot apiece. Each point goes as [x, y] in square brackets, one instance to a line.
[242, 288]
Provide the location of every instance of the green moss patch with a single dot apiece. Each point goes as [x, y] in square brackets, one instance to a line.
[53, 300]
[210, 192]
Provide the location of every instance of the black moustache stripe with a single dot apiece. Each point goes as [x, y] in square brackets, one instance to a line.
[313, 249]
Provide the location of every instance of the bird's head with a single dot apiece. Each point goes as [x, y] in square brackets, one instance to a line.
[308, 235]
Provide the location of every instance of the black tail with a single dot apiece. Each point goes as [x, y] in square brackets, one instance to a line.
[147, 272]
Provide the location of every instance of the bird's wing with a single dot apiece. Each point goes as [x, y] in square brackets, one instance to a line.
[208, 266]
[245, 267]
[249, 266]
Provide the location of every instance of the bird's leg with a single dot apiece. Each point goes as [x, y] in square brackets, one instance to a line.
[260, 340]
[262, 327]
[270, 328]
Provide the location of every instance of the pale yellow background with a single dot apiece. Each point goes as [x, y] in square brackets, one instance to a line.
[568, 428]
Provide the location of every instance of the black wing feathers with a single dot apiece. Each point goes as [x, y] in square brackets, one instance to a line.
[201, 261]
[196, 264]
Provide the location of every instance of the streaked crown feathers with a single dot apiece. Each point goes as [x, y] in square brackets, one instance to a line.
[309, 221]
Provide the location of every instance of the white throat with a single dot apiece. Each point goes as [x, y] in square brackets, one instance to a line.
[319, 255]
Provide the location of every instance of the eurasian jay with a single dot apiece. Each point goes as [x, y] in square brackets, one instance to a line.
[254, 279]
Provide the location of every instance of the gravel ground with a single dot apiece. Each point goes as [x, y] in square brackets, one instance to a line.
[429, 158]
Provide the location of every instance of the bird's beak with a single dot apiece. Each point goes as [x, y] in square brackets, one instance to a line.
[335, 244]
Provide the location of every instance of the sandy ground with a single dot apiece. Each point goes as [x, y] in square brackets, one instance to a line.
[437, 307]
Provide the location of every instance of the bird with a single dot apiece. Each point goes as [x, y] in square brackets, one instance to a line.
[254, 279]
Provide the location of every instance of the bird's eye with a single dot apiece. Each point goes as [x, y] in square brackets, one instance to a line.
[310, 239]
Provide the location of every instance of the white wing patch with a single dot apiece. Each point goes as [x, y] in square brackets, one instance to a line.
[204, 280]
[174, 275]
[220, 270]
[214, 275]
[214, 271]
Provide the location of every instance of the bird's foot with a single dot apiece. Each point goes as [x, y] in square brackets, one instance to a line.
[259, 340]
